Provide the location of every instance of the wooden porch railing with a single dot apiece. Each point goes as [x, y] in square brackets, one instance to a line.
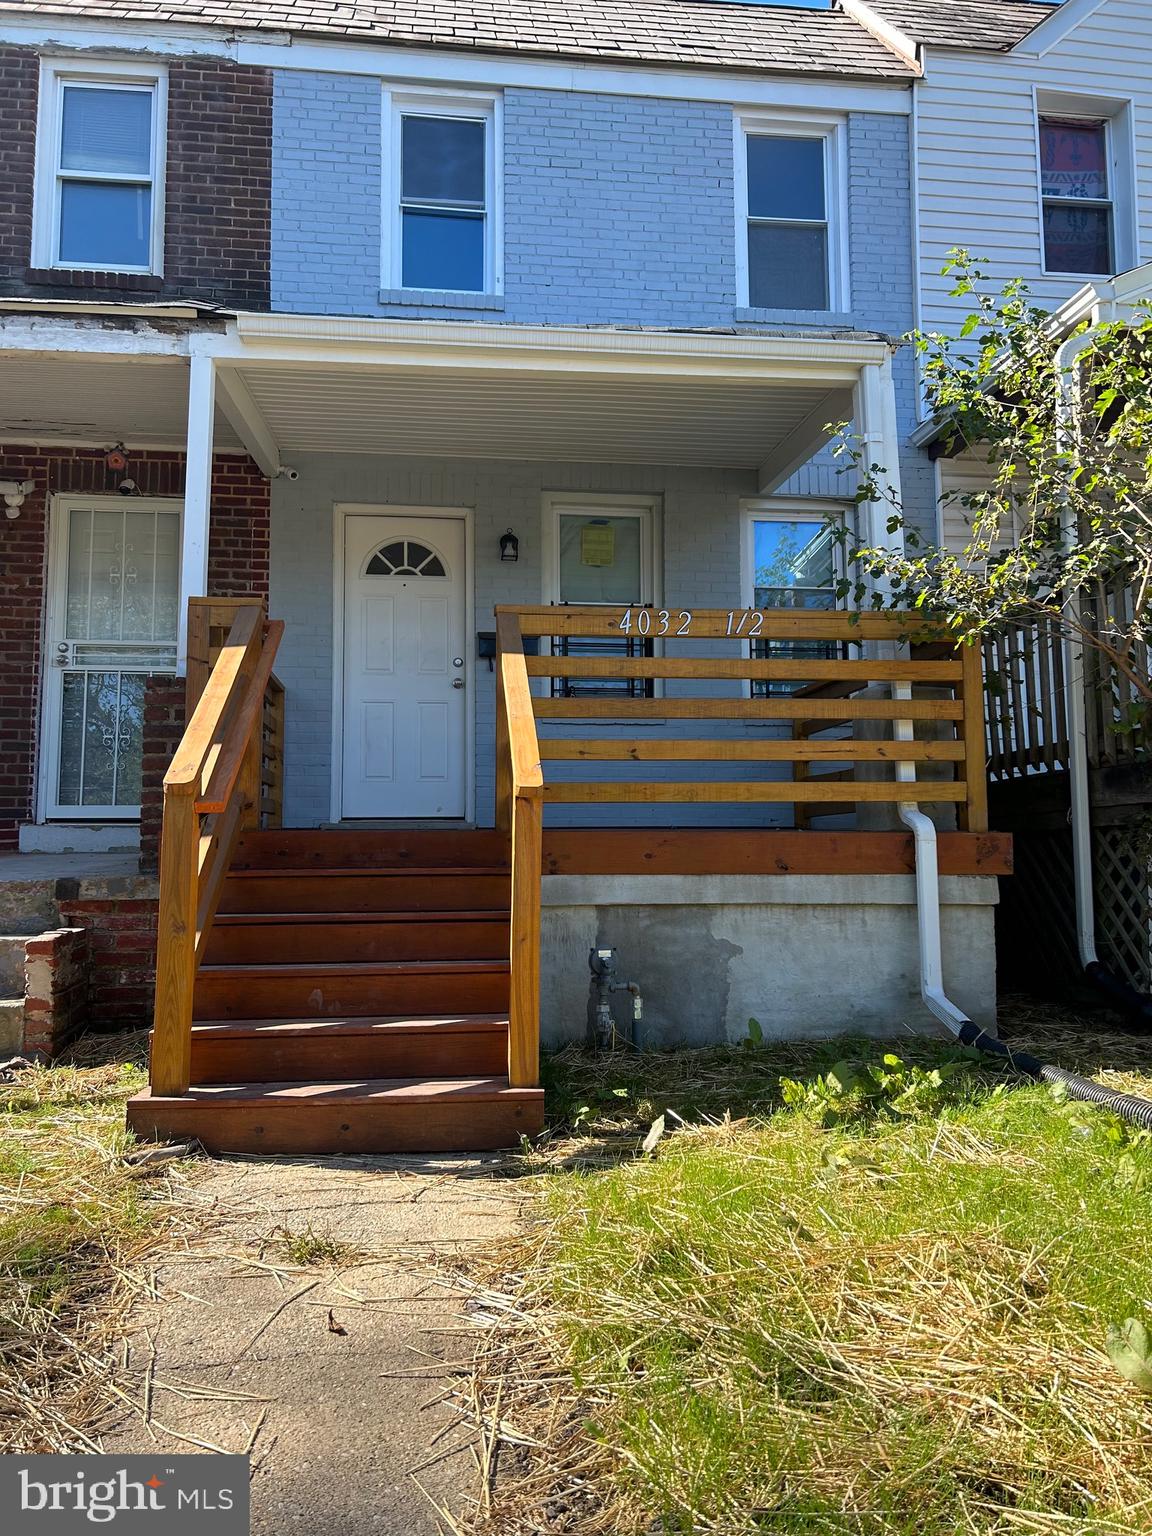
[825, 696]
[218, 784]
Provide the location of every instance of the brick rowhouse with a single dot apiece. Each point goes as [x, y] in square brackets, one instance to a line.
[218, 188]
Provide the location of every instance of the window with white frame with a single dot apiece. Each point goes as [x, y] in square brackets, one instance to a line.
[1076, 193]
[100, 168]
[444, 189]
[790, 228]
[601, 551]
[795, 562]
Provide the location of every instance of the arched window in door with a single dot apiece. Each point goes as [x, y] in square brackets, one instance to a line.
[405, 557]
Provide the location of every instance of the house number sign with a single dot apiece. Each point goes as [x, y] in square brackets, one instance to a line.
[665, 621]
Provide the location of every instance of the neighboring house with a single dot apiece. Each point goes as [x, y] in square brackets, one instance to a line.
[394, 318]
[1032, 127]
[1033, 132]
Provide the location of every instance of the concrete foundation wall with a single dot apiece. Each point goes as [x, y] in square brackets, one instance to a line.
[809, 956]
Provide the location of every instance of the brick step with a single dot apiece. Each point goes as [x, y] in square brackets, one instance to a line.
[438, 888]
[331, 990]
[267, 937]
[380, 1115]
[308, 1050]
[300, 849]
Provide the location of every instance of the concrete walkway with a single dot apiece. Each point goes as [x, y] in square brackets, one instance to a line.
[329, 1373]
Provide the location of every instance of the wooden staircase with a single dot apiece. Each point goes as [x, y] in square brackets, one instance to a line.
[353, 997]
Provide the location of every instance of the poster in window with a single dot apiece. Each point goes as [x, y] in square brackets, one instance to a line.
[597, 544]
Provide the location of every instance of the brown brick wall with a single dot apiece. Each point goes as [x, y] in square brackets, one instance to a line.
[218, 203]
[121, 934]
[58, 989]
[163, 728]
[219, 190]
[237, 563]
[19, 87]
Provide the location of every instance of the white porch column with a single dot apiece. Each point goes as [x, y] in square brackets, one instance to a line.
[197, 493]
[875, 415]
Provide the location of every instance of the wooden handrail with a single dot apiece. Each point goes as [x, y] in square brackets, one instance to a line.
[213, 789]
[520, 812]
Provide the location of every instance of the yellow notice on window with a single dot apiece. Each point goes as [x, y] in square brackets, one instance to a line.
[597, 544]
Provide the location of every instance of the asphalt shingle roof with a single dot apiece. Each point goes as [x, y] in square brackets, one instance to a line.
[713, 34]
[992, 25]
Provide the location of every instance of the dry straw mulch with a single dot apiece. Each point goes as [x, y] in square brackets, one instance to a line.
[77, 1228]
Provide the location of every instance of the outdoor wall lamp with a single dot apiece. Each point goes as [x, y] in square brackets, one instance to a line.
[14, 492]
[509, 546]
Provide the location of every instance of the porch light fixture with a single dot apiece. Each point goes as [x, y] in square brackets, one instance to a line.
[14, 492]
[509, 546]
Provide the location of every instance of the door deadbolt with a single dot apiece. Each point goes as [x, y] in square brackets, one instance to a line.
[457, 661]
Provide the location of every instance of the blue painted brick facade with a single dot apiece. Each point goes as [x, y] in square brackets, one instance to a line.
[617, 211]
[326, 170]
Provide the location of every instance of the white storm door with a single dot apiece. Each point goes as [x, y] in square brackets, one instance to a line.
[116, 594]
[405, 678]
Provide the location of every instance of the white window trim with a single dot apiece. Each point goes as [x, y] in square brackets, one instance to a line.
[56, 595]
[645, 508]
[54, 75]
[781, 509]
[1117, 117]
[473, 104]
[833, 131]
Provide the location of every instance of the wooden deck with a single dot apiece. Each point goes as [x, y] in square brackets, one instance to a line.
[322, 991]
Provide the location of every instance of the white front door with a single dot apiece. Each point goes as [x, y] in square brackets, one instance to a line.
[405, 677]
[114, 603]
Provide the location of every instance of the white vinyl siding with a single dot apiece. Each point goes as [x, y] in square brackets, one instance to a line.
[978, 178]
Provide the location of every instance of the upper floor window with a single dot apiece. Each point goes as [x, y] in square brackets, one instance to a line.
[790, 237]
[445, 186]
[100, 149]
[1076, 192]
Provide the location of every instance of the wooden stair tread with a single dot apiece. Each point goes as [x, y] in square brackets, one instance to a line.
[289, 970]
[448, 915]
[384, 1025]
[373, 1091]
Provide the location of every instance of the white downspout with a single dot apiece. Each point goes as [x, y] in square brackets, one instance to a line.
[922, 827]
[927, 888]
[1067, 386]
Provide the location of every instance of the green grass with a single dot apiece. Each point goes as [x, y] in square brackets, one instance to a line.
[74, 1218]
[893, 1324]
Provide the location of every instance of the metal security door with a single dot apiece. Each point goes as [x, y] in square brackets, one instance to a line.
[116, 591]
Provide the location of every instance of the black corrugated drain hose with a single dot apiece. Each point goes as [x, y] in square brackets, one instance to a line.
[1126, 1105]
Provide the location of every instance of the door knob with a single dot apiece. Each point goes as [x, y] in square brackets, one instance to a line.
[457, 682]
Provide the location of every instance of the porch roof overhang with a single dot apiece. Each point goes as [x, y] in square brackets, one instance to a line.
[289, 385]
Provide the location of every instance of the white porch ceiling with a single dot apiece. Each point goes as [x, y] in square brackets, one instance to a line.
[96, 401]
[692, 408]
[529, 415]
